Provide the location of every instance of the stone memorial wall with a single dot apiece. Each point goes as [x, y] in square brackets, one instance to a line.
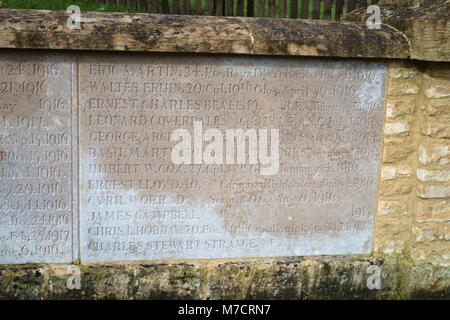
[153, 157]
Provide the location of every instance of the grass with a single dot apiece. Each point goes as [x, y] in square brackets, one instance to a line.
[62, 5]
[89, 6]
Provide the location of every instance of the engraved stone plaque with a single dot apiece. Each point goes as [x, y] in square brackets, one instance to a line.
[38, 206]
[304, 182]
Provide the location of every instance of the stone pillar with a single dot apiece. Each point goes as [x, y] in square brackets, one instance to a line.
[431, 223]
[392, 229]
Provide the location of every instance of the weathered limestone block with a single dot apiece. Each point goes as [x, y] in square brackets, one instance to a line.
[288, 278]
[432, 232]
[392, 207]
[437, 92]
[432, 191]
[422, 278]
[434, 154]
[435, 107]
[433, 175]
[396, 128]
[396, 153]
[201, 34]
[436, 252]
[23, 282]
[390, 173]
[432, 210]
[425, 25]
[399, 108]
[402, 88]
[437, 127]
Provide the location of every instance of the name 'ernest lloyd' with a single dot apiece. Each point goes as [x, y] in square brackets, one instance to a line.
[213, 153]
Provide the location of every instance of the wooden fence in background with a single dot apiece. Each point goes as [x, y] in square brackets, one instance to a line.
[294, 9]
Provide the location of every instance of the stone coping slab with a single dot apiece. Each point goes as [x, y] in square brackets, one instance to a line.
[39, 29]
[288, 278]
[426, 26]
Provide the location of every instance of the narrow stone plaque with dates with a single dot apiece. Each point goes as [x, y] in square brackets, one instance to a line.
[161, 171]
[38, 174]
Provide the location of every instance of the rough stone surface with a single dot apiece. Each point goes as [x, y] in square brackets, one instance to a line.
[33, 29]
[392, 228]
[431, 233]
[415, 170]
[293, 278]
[425, 25]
